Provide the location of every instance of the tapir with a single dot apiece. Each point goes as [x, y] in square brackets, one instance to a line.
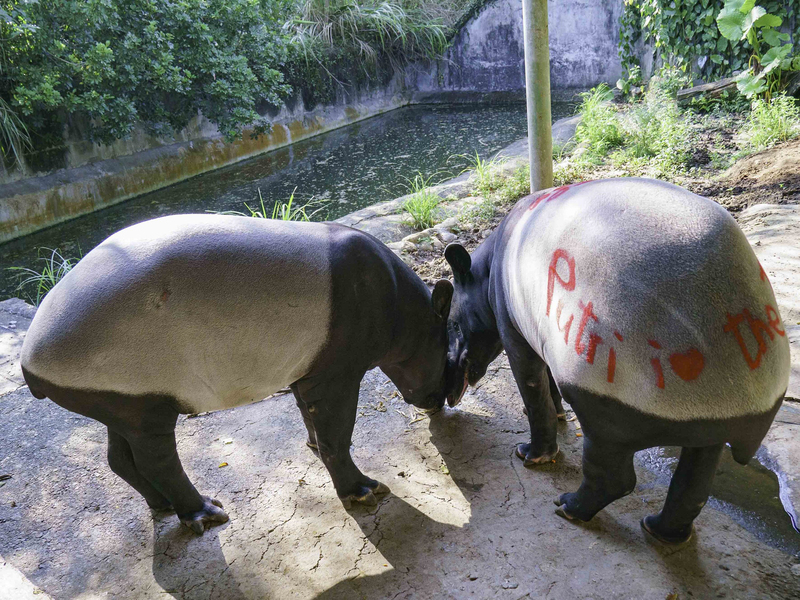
[194, 313]
[643, 306]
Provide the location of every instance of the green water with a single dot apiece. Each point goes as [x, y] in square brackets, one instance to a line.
[342, 171]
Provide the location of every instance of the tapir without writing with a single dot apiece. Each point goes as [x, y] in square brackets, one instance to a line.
[194, 313]
[645, 308]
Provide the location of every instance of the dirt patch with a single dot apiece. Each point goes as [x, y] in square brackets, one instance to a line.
[768, 177]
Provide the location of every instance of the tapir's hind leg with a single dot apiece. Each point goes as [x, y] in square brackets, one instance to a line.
[688, 493]
[120, 459]
[608, 474]
[311, 442]
[331, 406]
[556, 396]
[151, 436]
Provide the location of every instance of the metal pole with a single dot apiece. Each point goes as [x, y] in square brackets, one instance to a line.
[537, 92]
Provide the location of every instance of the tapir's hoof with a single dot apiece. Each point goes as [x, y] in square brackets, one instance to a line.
[210, 514]
[312, 445]
[366, 496]
[563, 511]
[523, 452]
[671, 539]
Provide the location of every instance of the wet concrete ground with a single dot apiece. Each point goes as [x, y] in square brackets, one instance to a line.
[465, 518]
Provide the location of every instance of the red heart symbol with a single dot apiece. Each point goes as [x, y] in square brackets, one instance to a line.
[688, 365]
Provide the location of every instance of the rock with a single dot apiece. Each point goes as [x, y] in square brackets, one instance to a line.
[447, 237]
[796, 570]
[416, 238]
[401, 246]
[437, 243]
[449, 225]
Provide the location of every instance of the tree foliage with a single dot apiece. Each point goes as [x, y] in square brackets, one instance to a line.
[156, 62]
[686, 35]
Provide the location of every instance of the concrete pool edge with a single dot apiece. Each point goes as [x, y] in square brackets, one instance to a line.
[35, 203]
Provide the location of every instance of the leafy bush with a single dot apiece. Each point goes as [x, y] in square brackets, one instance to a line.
[157, 62]
[770, 123]
[685, 34]
[599, 127]
[422, 206]
[741, 20]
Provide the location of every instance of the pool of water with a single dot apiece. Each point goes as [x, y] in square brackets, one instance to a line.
[749, 494]
[341, 171]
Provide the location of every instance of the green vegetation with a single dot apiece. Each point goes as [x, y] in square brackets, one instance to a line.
[742, 20]
[281, 211]
[34, 285]
[105, 68]
[655, 130]
[599, 128]
[686, 34]
[422, 207]
[770, 123]
[368, 30]
[485, 172]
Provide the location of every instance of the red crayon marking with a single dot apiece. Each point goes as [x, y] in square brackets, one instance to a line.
[552, 275]
[553, 194]
[566, 329]
[618, 335]
[688, 365]
[763, 272]
[757, 327]
[612, 364]
[654, 344]
[774, 320]
[659, 373]
[594, 342]
[587, 314]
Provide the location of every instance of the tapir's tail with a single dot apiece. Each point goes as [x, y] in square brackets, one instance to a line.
[33, 384]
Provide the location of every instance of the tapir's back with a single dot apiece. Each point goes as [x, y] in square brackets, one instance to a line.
[212, 310]
[641, 291]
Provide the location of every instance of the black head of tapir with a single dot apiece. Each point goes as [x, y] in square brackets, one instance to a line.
[473, 340]
[422, 377]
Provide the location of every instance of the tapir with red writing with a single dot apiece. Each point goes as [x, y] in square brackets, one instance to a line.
[645, 308]
[193, 313]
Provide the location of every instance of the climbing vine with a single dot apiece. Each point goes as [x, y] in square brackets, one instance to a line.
[685, 34]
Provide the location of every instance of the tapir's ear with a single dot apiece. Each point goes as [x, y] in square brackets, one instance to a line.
[441, 298]
[459, 261]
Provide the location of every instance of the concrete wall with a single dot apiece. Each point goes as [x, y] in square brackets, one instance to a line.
[485, 62]
[487, 56]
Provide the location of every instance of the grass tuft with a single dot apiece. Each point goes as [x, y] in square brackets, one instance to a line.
[599, 128]
[35, 285]
[422, 207]
[771, 123]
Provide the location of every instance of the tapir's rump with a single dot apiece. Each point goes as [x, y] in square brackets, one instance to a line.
[214, 311]
[641, 291]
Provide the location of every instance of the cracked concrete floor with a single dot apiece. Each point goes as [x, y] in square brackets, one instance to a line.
[465, 518]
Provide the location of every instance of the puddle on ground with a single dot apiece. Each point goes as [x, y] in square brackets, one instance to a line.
[749, 494]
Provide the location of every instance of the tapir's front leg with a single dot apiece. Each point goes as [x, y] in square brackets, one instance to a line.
[531, 375]
[331, 405]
